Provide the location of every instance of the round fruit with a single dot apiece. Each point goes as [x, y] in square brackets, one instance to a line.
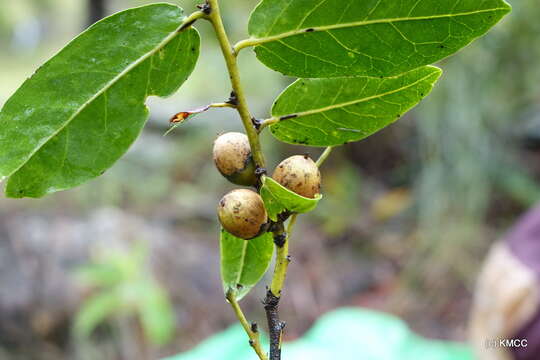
[241, 212]
[299, 174]
[233, 159]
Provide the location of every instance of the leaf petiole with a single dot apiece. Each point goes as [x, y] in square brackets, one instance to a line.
[191, 19]
[267, 122]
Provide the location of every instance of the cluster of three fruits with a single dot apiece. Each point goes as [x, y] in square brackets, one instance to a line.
[241, 212]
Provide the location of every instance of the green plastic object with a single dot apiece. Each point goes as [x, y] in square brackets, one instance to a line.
[347, 333]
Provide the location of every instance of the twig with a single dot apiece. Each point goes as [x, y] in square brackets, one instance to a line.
[273, 295]
[275, 326]
[238, 99]
[251, 329]
[282, 260]
[234, 74]
[281, 238]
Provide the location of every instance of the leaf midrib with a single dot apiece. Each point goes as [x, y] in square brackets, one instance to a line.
[242, 262]
[106, 87]
[306, 30]
[353, 102]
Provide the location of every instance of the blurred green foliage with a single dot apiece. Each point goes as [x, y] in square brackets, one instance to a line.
[470, 149]
[122, 286]
[342, 193]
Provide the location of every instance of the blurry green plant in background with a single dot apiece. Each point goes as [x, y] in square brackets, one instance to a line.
[121, 286]
[473, 168]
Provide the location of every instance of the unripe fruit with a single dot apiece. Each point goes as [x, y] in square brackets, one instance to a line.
[241, 212]
[299, 174]
[232, 156]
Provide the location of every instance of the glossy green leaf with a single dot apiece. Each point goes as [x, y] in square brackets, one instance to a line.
[335, 111]
[278, 199]
[83, 108]
[332, 38]
[244, 262]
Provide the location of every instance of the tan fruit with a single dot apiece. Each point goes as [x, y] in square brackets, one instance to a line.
[299, 174]
[241, 212]
[232, 156]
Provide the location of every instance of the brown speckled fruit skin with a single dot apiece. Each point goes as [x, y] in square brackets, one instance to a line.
[232, 156]
[241, 212]
[299, 174]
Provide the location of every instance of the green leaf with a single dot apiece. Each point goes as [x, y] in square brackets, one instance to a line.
[328, 112]
[332, 38]
[278, 199]
[82, 109]
[95, 310]
[98, 275]
[244, 262]
[156, 314]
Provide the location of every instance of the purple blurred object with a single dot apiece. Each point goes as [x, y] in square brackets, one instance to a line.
[524, 242]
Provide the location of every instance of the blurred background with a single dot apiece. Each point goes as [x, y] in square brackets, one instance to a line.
[127, 266]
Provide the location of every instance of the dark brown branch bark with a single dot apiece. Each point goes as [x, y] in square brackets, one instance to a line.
[275, 326]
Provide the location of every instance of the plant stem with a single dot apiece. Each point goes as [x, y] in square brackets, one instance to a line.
[251, 330]
[324, 156]
[282, 261]
[241, 106]
[275, 326]
[273, 295]
[234, 74]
